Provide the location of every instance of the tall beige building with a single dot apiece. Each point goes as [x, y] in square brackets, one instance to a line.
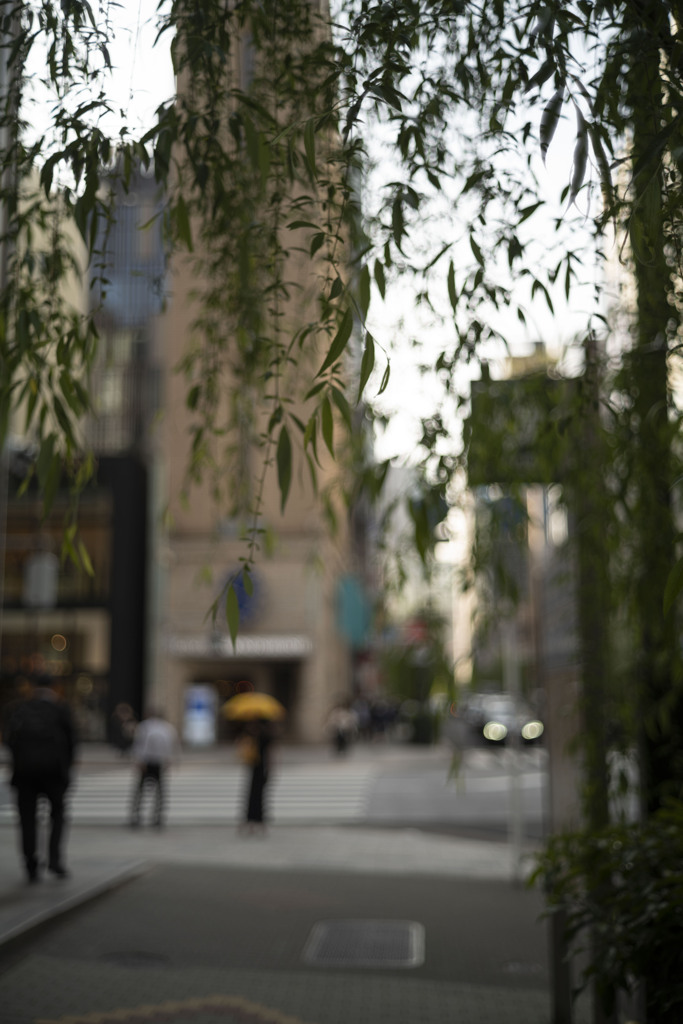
[289, 643]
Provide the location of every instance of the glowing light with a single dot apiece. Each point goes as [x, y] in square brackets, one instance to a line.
[59, 642]
[532, 730]
[84, 685]
[495, 731]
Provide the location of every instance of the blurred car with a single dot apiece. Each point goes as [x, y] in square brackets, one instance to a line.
[498, 717]
[472, 711]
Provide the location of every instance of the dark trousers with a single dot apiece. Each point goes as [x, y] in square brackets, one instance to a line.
[27, 793]
[151, 773]
[256, 786]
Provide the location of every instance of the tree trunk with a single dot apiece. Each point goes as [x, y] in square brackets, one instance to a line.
[660, 689]
[661, 699]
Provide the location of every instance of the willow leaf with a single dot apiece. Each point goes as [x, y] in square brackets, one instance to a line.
[580, 157]
[550, 119]
[284, 465]
[327, 421]
[232, 613]
[367, 363]
[339, 342]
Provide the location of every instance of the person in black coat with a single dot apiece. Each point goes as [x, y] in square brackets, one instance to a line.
[260, 736]
[41, 739]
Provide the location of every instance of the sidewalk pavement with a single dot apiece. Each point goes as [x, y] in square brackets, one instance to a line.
[101, 858]
[309, 874]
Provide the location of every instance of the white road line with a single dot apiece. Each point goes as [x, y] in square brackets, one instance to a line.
[219, 796]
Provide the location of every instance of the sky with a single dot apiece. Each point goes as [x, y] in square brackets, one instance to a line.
[411, 395]
[142, 75]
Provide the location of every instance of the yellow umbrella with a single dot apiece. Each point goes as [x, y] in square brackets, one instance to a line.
[246, 707]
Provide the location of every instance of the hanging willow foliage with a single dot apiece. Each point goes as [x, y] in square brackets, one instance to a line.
[260, 159]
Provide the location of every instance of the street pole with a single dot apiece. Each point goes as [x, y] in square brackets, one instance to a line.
[511, 685]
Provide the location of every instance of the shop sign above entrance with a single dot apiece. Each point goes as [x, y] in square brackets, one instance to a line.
[290, 645]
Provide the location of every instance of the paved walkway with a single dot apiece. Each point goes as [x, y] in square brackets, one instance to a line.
[309, 873]
[101, 858]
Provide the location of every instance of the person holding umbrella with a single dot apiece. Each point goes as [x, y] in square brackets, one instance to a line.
[257, 712]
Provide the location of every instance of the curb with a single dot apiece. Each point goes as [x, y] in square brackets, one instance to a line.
[66, 902]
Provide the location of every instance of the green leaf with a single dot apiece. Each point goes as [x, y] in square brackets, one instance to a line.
[550, 119]
[388, 93]
[67, 549]
[422, 533]
[603, 168]
[62, 417]
[398, 224]
[296, 224]
[343, 406]
[276, 418]
[452, 293]
[284, 465]
[232, 613]
[314, 390]
[313, 472]
[542, 75]
[339, 342]
[247, 582]
[674, 586]
[85, 558]
[327, 424]
[527, 211]
[477, 251]
[385, 380]
[32, 400]
[380, 279]
[317, 242]
[309, 433]
[367, 363]
[580, 156]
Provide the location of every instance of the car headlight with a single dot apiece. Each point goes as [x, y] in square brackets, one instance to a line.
[532, 730]
[495, 731]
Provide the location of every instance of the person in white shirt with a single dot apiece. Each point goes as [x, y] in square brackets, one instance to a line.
[155, 747]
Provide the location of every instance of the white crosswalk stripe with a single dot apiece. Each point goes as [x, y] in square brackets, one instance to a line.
[217, 795]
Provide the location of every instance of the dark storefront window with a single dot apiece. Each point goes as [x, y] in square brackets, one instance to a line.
[28, 535]
[55, 613]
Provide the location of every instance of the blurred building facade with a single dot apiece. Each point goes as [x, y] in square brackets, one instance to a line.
[137, 630]
[90, 631]
[291, 642]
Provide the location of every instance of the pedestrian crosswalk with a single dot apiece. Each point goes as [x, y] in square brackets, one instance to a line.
[205, 795]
